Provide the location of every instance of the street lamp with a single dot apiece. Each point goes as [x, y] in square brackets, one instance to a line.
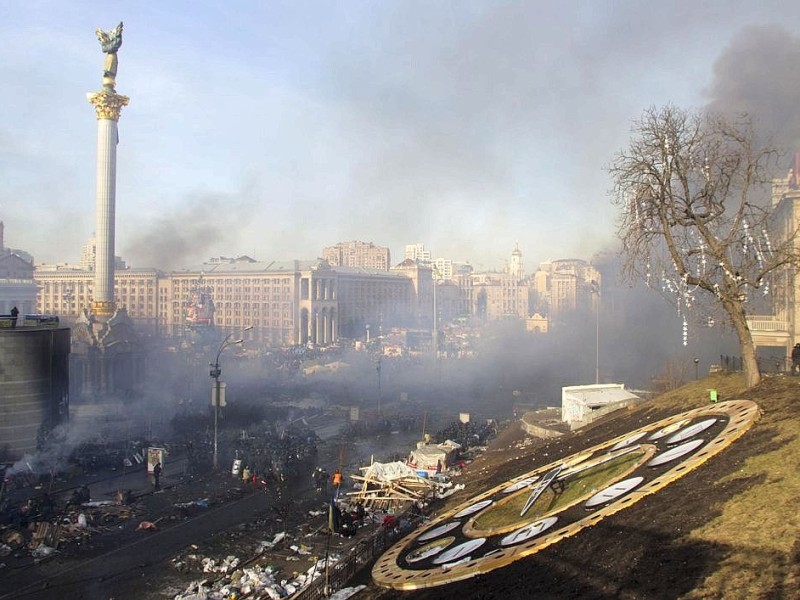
[378, 369]
[436, 277]
[217, 398]
[595, 289]
[435, 327]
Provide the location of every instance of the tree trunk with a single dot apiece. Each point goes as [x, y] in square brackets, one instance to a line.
[738, 317]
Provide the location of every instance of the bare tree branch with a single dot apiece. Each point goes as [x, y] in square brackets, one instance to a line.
[695, 215]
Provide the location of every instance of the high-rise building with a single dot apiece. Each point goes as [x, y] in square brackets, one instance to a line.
[89, 256]
[418, 253]
[356, 254]
[566, 285]
[443, 269]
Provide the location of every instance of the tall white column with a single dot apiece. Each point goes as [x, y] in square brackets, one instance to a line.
[108, 106]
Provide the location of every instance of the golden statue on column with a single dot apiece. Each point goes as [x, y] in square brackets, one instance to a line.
[110, 41]
[107, 102]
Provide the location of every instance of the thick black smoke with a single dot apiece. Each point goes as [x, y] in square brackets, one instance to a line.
[190, 234]
[757, 75]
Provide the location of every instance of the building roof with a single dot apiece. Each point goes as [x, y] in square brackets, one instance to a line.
[365, 271]
[259, 266]
[598, 395]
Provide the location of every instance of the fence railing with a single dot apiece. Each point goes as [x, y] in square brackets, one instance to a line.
[360, 556]
[766, 364]
[730, 363]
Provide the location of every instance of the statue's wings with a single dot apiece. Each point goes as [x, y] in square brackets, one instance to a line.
[110, 41]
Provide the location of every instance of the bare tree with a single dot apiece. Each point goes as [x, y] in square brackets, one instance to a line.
[696, 218]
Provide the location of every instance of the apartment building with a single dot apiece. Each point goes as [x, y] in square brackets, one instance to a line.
[566, 285]
[499, 296]
[359, 255]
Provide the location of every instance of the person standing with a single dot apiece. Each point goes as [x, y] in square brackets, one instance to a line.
[317, 477]
[14, 316]
[796, 359]
[157, 477]
[337, 481]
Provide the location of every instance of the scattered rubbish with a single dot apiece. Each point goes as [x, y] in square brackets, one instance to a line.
[450, 491]
[43, 551]
[227, 565]
[14, 539]
[302, 549]
[264, 545]
[346, 593]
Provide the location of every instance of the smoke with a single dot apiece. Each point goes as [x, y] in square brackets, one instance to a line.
[54, 456]
[185, 235]
[756, 75]
[172, 243]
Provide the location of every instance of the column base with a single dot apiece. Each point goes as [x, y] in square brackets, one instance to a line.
[103, 308]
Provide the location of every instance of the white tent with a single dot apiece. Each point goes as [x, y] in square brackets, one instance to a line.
[433, 458]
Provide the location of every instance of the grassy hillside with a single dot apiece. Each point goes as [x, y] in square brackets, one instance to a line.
[729, 529]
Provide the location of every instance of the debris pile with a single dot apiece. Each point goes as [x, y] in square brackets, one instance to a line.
[389, 485]
[38, 527]
[251, 580]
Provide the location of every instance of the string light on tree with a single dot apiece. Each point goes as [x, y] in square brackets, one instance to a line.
[692, 212]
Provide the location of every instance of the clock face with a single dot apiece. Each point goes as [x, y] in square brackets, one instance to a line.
[541, 507]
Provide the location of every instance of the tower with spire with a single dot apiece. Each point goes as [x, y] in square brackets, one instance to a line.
[515, 267]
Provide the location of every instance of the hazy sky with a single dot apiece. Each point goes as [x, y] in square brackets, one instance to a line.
[274, 129]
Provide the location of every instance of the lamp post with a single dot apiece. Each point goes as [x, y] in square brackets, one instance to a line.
[216, 392]
[435, 327]
[378, 369]
[595, 289]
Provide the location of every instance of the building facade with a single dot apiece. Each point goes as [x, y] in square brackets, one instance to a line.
[286, 303]
[566, 285]
[417, 253]
[67, 291]
[499, 296]
[356, 254]
[781, 328]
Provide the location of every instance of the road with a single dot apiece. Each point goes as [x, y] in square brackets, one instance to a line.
[119, 571]
[118, 566]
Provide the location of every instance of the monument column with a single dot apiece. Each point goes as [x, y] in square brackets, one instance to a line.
[108, 105]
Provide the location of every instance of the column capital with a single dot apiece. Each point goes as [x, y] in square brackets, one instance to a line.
[108, 105]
